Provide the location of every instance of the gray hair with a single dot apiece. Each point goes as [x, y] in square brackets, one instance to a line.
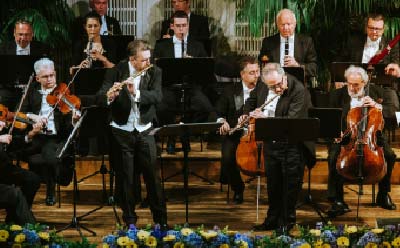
[358, 71]
[271, 67]
[43, 63]
[283, 11]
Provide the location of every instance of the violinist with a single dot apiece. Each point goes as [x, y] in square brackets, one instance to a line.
[94, 51]
[41, 154]
[229, 109]
[133, 111]
[18, 187]
[289, 101]
[349, 97]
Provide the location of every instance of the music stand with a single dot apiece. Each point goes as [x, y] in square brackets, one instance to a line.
[297, 72]
[289, 131]
[186, 130]
[121, 43]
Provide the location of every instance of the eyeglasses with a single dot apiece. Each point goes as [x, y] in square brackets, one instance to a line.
[180, 25]
[375, 29]
[52, 75]
[275, 86]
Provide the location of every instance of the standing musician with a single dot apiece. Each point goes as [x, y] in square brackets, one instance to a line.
[133, 110]
[349, 97]
[289, 98]
[229, 109]
[41, 155]
[16, 200]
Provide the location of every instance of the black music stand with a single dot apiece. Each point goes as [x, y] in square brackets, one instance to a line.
[75, 219]
[121, 43]
[186, 130]
[289, 131]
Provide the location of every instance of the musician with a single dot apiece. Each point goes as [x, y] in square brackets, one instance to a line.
[281, 159]
[198, 25]
[95, 51]
[16, 200]
[229, 109]
[41, 155]
[109, 24]
[346, 98]
[178, 46]
[133, 110]
[287, 48]
[393, 69]
[23, 42]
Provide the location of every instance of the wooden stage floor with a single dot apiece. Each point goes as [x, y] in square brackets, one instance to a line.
[208, 204]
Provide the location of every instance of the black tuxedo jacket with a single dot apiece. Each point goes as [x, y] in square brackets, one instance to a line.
[37, 49]
[354, 49]
[230, 104]
[150, 94]
[165, 49]
[304, 52]
[198, 27]
[33, 104]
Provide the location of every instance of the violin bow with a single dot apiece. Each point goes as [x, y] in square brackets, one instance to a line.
[20, 104]
[378, 57]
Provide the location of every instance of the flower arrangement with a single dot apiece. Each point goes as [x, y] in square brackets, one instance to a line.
[322, 236]
[37, 235]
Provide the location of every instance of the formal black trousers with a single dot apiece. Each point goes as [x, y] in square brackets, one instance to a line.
[138, 152]
[283, 168]
[336, 181]
[13, 200]
[230, 172]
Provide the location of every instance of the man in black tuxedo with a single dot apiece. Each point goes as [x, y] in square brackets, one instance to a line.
[109, 24]
[24, 43]
[41, 155]
[287, 99]
[133, 111]
[289, 49]
[181, 45]
[229, 109]
[346, 98]
[198, 25]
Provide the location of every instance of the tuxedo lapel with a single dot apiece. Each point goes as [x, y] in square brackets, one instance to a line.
[238, 96]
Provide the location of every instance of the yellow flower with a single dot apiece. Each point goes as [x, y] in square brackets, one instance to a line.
[131, 244]
[179, 245]
[326, 246]
[231, 233]
[20, 238]
[209, 234]
[343, 241]
[377, 230]
[371, 245]
[123, 241]
[142, 235]
[351, 229]
[169, 238]
[243, 244]
[105, 245]
[151, 241]
[4, 235]
[224, 246]
[396, 242]
[318, 244]
[186, 231]
[16, 228]
[315, 232]
[44, 235]
[386, 244]
[305, 245]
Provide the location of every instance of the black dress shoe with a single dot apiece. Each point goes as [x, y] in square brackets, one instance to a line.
[238, 198]
[385, 201]
[338, 208]
[50, 200]
[266, 226]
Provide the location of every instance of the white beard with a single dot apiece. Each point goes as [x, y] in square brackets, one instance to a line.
[359, 94]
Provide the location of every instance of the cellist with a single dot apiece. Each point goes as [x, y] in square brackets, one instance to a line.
[348, 97]
[290, 102]
[229, 108]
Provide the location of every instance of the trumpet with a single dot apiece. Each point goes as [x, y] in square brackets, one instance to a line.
[129, 80]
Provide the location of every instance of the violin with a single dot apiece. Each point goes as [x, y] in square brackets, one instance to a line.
[61, 98]
[22, 119]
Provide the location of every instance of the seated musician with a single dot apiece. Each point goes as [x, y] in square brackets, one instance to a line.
[229, 109]
[287, 97]
[50, 130]
[94, 51]
[16, 200]
[346, 98]
[393, 69]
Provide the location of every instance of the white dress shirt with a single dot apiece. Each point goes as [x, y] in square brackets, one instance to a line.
[282, 48]
[269, 110]
[370, 49]
[45, 109]
[134, 116]
[103, 29]
[178, 46]
[23, 51]
[246, 92]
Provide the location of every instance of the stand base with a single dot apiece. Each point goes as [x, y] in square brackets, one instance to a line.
[74, 224]
[190, 173]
